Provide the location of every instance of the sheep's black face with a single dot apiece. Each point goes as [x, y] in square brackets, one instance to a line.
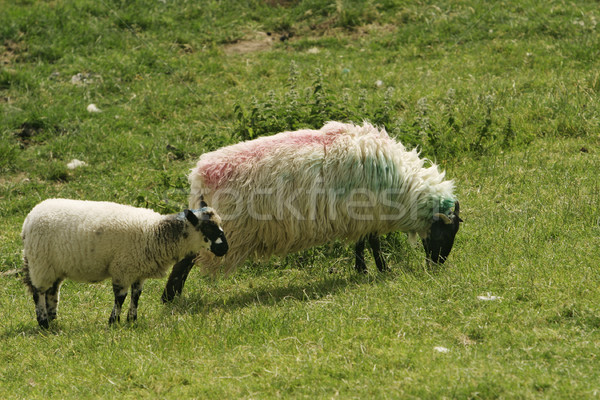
[439, 242]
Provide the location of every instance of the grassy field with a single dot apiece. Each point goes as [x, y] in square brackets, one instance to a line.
[503, 95]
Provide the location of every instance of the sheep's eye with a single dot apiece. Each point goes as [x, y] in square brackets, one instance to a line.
[206, 240]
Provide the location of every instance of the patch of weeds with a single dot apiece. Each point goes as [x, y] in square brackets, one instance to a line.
[485, 136]
[440, 128]
[309, 107]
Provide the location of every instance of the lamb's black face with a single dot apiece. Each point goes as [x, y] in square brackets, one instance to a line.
[441, 236]
[212, 232]
[205, 220]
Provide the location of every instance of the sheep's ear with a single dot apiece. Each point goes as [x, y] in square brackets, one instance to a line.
[202, 202]
[190, 216]
[457, 210]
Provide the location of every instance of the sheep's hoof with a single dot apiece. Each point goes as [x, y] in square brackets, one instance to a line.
[361, 268]
[113, 319]
[383, 268]
[44, 323]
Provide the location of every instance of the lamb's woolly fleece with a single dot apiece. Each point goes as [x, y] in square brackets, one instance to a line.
[91, 241]
[294, 190]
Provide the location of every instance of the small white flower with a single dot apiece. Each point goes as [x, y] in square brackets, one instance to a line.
[488, 297]
[441, 349]
[75, 163]
[313, 50]
[93, 109]
[379, 83]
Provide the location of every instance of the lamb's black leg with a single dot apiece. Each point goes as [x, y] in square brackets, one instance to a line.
[359, 251]
[136, 291]
[177, 278]
[39, 298]
[120, 295]
[376, 249]
[52, 295]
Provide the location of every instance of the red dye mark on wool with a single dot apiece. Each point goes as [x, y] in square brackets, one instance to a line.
[218, 167]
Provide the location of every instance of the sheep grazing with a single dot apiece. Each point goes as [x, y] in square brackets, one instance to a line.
[91, 241]
[294, 190]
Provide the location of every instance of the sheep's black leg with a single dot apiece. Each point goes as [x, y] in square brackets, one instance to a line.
[177, 278]
[52, 295]
[136, 291]
[39, 298]
[120, 295]
[359, 251]
[376, 249]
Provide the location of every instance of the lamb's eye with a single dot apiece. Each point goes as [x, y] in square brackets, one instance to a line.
[206, 240]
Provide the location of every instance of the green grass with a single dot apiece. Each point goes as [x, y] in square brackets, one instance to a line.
[503, 95]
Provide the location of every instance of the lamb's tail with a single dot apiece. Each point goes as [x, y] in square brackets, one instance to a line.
[26, 277]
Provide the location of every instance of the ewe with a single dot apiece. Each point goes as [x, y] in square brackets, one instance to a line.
[294, 190]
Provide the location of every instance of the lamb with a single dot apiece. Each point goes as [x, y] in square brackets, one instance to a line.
[91, 241]
[294, 190]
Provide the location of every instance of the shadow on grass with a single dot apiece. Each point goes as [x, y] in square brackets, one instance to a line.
[267, 294]
[403, 259]
[58, 327]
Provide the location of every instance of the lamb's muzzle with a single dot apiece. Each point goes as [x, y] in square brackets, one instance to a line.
[218, 242]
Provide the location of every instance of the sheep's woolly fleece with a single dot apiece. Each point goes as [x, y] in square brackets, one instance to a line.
[294, 190]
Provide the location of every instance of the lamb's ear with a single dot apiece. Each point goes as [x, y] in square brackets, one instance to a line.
[190, 216]
[202, 202]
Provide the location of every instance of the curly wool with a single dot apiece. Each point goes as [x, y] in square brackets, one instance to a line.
[294, 190]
